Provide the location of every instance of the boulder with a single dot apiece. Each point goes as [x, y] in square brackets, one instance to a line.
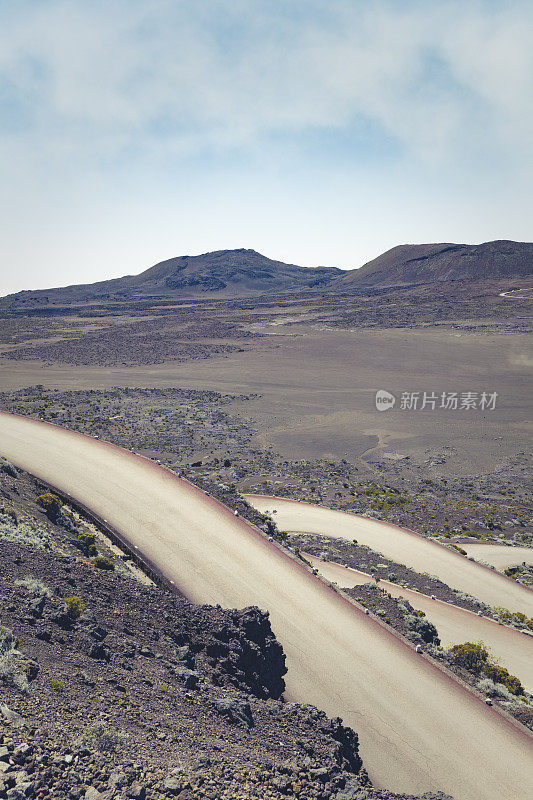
[235, 710]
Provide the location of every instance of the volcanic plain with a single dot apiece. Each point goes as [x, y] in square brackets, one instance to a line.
[276, 395]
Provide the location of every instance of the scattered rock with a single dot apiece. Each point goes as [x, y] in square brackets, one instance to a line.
[92, 794]
[236, 711]
[100, 651]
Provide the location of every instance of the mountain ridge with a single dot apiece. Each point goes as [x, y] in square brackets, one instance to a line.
[435, 263]
[242, 272]
[233, 273]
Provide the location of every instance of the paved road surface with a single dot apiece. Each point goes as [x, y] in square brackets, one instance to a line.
[401, 546]
[499, 555]
[513, 648]
[419, 729]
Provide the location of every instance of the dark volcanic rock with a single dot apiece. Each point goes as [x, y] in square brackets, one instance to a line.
[8, 468]
[237, 711]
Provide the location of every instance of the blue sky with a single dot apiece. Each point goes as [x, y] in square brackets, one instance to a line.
[317, 132]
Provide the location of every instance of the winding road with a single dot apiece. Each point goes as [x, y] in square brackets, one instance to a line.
[499, 555]
[419, 729]
[513, 649]
[402, 546]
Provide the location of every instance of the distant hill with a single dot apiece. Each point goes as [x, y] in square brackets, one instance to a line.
[429, 263]
[223, 273]
[227, 274]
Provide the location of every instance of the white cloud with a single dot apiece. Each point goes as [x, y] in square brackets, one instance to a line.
[178, 76]
[138, 127]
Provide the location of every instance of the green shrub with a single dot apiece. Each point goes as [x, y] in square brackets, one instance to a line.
[173, 697]
[510, 572]
[470, 655]
[475, 657]
[102, 562]
[501, 675]
[86, 541]
[513, 616]
[34, 586]
[502, 612]
[56, 686]
[103, 738]
[459, 549]
[50, 503]
[75, 606]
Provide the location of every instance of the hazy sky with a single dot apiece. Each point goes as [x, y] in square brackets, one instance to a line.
[314, 131]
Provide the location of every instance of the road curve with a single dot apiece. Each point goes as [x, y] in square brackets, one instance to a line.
[513, 648]
[499, 555]
[419, 729]
[402, 546]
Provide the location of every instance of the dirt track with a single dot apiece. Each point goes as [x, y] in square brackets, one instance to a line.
[419, 729]
[402, 546]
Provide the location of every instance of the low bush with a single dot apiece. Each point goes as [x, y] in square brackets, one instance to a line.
[102, 737]
[27, 534]
[436, 651]
[50, 503]
[86, 543]
[513, 617]
[459, 549]
[421, 628]
[7, 641]
[16, 669]
[7, 467]
[34, 586]
[491, 689]
[102, 562]
[75, 606]
[475, 657]
[470, 655]
[56, 686]
[501, 675]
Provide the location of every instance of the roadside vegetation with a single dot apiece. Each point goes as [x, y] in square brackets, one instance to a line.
[475, 657]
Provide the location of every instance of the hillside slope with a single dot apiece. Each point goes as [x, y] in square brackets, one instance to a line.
[428, 263]
[223, 273]
[109, 682]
